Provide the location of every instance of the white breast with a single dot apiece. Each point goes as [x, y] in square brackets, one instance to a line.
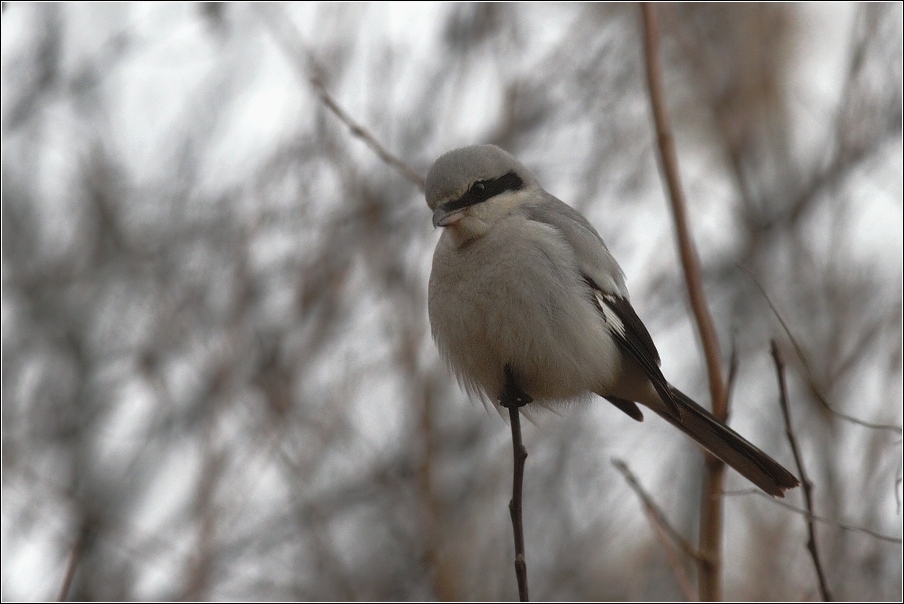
[515, 296]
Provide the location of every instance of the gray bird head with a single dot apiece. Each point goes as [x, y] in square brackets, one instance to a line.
[466, 177]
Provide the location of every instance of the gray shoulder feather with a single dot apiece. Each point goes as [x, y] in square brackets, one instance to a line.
[593, 257]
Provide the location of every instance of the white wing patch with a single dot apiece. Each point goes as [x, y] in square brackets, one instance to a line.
[613, 321]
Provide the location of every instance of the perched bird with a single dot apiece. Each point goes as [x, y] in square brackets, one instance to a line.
[525, 297]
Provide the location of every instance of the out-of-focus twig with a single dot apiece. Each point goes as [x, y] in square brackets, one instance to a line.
[289, 38]
[805, 480]
[711, 507]
[202, 565]
[734, 362]
[803, 359]
[664, 531]
[75, 554]
[688, 252]
[847, 526]
[656, 515]
[898, 482]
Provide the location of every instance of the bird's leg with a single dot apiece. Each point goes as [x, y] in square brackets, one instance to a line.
[512, 396]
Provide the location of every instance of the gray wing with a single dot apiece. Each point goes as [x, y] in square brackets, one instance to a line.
[607, 282]
[594, 259]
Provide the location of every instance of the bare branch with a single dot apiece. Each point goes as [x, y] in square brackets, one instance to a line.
[734, 362]
[690, 260]
[807, 373]
[665, 532]
[289, 38]
[805, 480]
[847, 526]
[656, 515]
[71, 565]
[711, 508]
[513, 399]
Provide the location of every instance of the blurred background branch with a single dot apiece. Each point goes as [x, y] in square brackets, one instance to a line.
[217, 377]
[288, 36]
[709, 565]
[667, 535]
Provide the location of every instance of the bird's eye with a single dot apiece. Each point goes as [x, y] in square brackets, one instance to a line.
[478, 187]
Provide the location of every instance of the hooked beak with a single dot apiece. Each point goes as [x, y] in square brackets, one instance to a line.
[443, 217]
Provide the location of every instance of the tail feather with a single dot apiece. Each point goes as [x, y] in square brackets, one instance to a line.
[730, 447]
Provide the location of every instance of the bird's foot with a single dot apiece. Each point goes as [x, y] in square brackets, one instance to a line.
[512, 395]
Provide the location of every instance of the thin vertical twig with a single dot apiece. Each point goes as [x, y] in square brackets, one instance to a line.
[89, 528]
[805, 480]
[687, 250]
[202, 565]
[709, 565]
[513, 399]
[734, 361]
[71, 564]
[808, 374]
[520, 455]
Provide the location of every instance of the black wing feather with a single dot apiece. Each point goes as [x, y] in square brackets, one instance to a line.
[630, 332]
[630, 408]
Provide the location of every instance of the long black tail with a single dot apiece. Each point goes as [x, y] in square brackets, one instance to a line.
[730, 447]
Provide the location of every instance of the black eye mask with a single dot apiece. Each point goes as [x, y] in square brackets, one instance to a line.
[482, 190]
